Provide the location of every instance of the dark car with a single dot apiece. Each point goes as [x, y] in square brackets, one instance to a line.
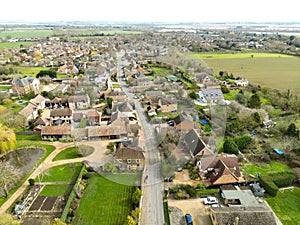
[188, 219]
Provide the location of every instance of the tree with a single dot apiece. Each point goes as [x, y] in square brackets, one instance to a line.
[243, 142]
[7, 219]
[129, 221]
[135, 214]
[109, 102]
[110, 167]
[57, 221]
[136, 197]
[7, 139]
[9, 176]
[230, 146]
[292, 131]
[257, 118]
[254, 101]
[224, 89]
[240, 98]
[193, 95]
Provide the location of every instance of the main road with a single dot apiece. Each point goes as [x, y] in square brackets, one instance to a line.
[152, 186]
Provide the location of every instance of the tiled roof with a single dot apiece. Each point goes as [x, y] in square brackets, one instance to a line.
[129, 153]
[56, 130]
[60, 112]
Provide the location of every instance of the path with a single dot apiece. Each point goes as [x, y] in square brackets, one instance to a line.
[97, 157]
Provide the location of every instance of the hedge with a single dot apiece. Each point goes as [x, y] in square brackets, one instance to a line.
[282, 179]
[72, 196]
[269, 185]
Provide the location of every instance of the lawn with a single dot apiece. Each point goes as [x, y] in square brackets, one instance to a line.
[286, 206]
[161, 71]
[28, 137]
[230, 95]
[5, 87]
[65, 173]
[110, 202]
[56, 190]
[264, 169]
[69, 153]
[272, 70]
[9, 45]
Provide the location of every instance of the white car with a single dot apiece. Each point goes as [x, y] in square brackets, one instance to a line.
[210, 200]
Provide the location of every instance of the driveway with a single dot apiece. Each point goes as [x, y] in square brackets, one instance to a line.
[195, 207]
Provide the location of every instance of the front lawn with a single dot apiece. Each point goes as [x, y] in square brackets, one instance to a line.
[104, 202]
[65, 173]
[286, 206]
[56, 190]
[69, 153]
[265, 169]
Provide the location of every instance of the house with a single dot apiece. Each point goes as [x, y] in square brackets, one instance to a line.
[144, 82]
[210, 97]
[242, 216]
[183, 122]
[125, 108]
[79, 102]
[77, 116]
[57, 103]
[93, 118]
[119, 119]
[62, 115]
[202, 78]
[25, 85]
[55, 132]
[130, 158]
[171, 78]
[151, 94]
[221, 169]
[39, 101]
[166, 105]
[30, 112]
[268, 124]
[241, 82]
[118, 96]
[234, 197]
[194, 144]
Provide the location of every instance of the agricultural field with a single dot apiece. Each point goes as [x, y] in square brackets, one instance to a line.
[9, 45]
[110, 201]
[267, 69]
[23, 33]
[286, 206]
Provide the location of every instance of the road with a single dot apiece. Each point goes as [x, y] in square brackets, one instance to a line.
[152, 187]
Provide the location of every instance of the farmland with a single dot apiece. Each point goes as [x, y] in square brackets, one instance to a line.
[286, 206]
[9, 45]
[272, 70]
[110, 201]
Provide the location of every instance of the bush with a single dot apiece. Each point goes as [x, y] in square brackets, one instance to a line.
[283, 179]
[243, 142]
[269, 185]
[31, 182]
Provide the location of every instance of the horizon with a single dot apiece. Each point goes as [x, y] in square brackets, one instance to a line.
[132, 11]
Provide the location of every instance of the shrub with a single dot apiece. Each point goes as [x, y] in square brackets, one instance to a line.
[283, 179]
[269, 185]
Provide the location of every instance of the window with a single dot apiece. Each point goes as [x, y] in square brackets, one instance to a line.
[128, 160]
[137, 160]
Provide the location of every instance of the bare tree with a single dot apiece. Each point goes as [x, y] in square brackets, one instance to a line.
[10, 175]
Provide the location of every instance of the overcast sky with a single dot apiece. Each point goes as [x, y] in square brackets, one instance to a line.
[151, 10]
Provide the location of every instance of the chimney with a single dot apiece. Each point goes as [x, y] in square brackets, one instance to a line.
[237, 219]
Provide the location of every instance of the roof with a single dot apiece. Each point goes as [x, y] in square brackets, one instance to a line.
[28, 110]
[194, 142]
[183, 117]
[168, 101]
[212, 93]
[119, 115]
[77, 116]
[247, 216]
[79, 98]
[56, 130]
[92, 113]
[60, 112]
[123, 107]
[38, 100]
[115, 93]
[246, 197]
[104, 131]
[129, 153]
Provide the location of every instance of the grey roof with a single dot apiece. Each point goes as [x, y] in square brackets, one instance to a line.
[194, 142]
[212, 93]
[246, 197]
[123, 107]
[247, 216]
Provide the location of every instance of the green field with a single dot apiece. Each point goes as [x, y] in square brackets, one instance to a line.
[104, 202]
[22, 33]
[273, 167]
[56, 190]
[286, 206]
[273, 70]
[161, 71]
[63, 173]
[5, 87]
[9, 45]
[69, 153]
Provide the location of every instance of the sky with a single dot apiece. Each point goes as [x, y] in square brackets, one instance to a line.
[150, 11]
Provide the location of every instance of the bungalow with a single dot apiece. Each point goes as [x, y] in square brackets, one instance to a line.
[183, 122]
[130, 158]
[55, 132]
[79, 102]
[221, 169]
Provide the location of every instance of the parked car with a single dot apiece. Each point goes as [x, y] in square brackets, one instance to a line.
[210, 200]
[188, 219]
